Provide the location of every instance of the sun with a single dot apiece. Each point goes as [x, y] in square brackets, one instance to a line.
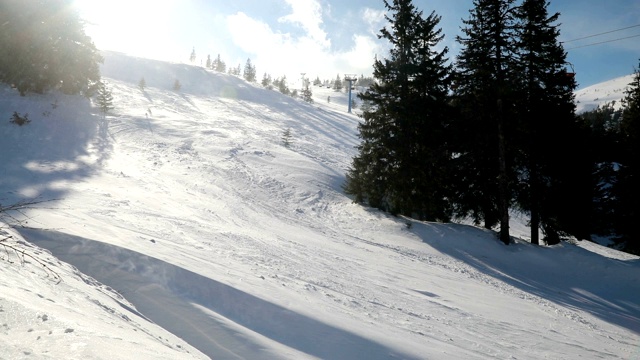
[136, 27]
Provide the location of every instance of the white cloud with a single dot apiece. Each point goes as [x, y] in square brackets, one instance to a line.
[361, 56]
[276, 53]
[282, 53]
[308, 15]
[374, 19]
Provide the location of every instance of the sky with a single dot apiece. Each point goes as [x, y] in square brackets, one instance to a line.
[180, 226]
[327, 38]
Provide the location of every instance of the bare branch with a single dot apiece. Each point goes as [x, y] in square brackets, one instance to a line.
[21, 254]
[13, 249]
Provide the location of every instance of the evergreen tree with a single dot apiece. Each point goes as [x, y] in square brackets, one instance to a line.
[192, 58]
[249, 71]
[555, 181]
[307, 94]
[317, 81]
[402, 159]
[266, 80]
[485, 82]
[364, 81]
[337, 83]
[142, 84]
[219, 65]
[286, 137]
[104, 99]
[366, 106]
[626, 188]
[208, 63]
[281, 83]
[44, 47]
[604, 153]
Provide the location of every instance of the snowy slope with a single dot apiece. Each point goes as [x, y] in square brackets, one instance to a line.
[56, 312]
[611, 91]
[186, 209]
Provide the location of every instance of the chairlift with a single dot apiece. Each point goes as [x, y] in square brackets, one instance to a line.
[570, 74]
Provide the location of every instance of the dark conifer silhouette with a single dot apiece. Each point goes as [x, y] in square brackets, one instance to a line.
[44, 47]
[402, 159]
[486, 75]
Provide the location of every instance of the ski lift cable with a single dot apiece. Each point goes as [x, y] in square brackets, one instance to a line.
[604, 42]
[604, 33]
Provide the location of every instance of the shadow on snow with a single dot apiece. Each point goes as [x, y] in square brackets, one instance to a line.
[39, 157]
[174, 298]
[564, 274]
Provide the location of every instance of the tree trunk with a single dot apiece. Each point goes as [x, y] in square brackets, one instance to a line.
[503, 187]
[534, 194]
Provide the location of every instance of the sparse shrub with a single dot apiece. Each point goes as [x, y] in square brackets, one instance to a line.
[142, 84]
[20, 120]
[104, 98]
[307, 95]
[286, 137]
[176, 85]
[281, 84]
[266, 81]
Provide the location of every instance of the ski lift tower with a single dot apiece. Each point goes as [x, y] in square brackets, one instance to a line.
[350, 78]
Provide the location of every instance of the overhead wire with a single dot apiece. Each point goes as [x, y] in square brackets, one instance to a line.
[602, 42]
[604, 33]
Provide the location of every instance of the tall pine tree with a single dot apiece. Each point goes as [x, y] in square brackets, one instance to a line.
[337, 83]
[208, 63]
[402, 161]
[219, 65]
[548, 133]
[626, 188]
[484, 94]
[249, 71]
[266, 80]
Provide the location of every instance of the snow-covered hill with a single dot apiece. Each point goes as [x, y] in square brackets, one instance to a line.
[611, 91]
[182, 227]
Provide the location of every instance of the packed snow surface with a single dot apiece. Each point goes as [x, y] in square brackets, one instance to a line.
[180, 226]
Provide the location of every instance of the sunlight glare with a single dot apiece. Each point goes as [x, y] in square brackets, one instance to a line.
[137, 27]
